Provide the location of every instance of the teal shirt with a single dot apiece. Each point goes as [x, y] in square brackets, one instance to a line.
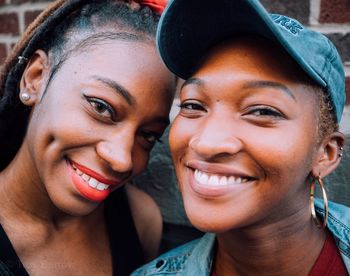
[196, 257]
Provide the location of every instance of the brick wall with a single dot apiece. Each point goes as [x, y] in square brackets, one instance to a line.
[15, 15]
[331, 17]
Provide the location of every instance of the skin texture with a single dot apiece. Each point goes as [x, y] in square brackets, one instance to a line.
[113, 138]
[248, 113]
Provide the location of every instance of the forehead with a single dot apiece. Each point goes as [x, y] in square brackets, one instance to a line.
[257, 55]
[250, 62]
[115, 58]
[134, 65]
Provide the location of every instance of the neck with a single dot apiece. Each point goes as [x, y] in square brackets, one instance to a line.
[288, 247]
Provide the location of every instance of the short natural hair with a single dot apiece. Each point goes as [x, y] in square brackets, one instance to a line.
[327, 120]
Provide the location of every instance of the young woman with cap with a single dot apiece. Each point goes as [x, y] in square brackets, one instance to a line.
[257, 131]
[75, 126]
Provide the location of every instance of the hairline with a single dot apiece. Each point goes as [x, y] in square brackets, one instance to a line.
[92, 40]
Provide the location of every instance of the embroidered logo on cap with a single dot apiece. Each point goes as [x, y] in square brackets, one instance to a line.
[290, 25]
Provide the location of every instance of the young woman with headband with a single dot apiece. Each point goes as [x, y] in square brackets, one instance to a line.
[75, 126]
[256, 133]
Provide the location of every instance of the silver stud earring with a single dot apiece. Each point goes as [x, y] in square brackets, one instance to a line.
[25, 97]
[341, 152]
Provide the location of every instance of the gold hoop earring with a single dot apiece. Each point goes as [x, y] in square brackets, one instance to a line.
[325, 203]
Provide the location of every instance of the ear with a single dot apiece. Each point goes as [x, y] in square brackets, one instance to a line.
[329, 155]
[34, 77]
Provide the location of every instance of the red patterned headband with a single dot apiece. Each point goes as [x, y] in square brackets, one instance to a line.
[157, 6]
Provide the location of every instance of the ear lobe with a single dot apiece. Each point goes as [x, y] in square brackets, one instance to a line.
[329, 155]
[34, 77]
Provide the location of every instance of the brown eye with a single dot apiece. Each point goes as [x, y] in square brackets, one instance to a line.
[101, 107]
[265, 111]
[151, 137]
[192, 109]
[191, 106]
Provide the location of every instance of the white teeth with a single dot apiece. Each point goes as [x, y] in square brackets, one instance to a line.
[231, 180]
[223, 180]
[203, 178]
[102, 187]
[214, 180]
[79, 172]
[217, 180]
[85, 177]
[93, 182]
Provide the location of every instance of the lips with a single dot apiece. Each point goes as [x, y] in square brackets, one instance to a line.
[89, 183]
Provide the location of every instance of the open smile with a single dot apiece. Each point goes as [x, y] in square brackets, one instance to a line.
[90, 184]
[215, 180]
[92, 178]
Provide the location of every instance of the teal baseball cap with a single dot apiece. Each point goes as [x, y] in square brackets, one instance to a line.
[189, 28]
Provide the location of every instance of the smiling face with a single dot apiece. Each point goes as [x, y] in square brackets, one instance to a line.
[94, 126]
[243, 143]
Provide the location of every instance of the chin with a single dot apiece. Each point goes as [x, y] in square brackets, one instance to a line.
[76, 208]
[213, 224]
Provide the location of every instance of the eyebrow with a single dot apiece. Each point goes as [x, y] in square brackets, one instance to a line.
[195, 81]
[119, 89]
[270, 84]
[251, 84]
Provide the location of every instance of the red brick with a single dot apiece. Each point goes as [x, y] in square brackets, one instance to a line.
[3, 52]
[347, 83]
[9, 23]
[335, 11]
[30, 16]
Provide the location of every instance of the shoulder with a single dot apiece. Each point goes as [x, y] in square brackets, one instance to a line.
[338, 214]
[147, 219]
[176, 257]
[179, 260]
[338, 224]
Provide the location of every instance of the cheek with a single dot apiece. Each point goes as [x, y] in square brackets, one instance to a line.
[179, 137]
[283, 154]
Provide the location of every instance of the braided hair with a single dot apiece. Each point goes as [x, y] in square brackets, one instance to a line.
[53, 31]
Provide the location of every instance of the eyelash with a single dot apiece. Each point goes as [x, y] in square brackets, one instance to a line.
[194, 106]
[107, 107]
[265, 111]
[271, 112]
[155, 135]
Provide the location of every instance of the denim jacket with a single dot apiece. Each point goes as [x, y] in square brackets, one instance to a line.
[196, 257]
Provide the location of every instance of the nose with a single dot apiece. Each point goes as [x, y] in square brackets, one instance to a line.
[117, 152]
[215, 140]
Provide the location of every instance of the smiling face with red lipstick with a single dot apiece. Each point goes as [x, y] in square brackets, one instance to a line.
[84, 97]
[92, 127]
[244, 141]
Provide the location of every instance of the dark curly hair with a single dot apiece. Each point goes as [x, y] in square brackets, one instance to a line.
[327, 120]
[55, 31]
